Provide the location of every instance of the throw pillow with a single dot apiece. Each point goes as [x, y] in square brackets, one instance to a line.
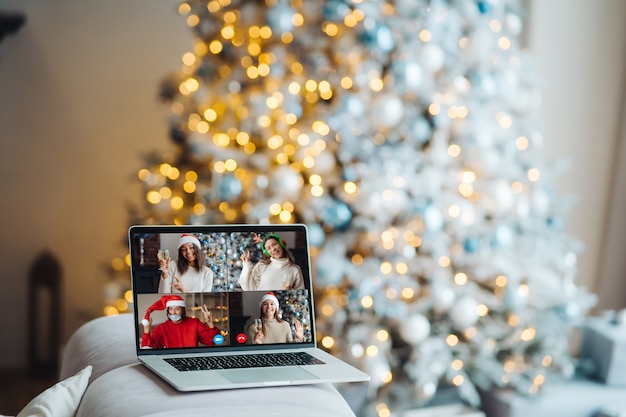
[61, 399]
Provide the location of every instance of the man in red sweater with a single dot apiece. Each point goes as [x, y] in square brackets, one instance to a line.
[178, 330]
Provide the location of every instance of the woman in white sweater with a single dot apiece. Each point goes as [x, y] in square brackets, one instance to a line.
[189, 273]
[271, 328]
[276, 271]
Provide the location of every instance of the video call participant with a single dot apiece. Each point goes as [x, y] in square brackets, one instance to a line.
[271, 328]
[178, 330]
[277, 270]
[190, 272]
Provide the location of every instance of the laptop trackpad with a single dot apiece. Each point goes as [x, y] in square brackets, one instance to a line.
[267, 375]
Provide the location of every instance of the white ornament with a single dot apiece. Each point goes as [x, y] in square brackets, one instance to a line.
[500, 197]
[286, 183]
[379, 371]
[463, 313]
[514, 23]
[409, 74]
[504, 235]
[480, 45]
[353, 105]
[432, 58]
[426, 391]
[442, 298]
[433, 218]
[415, 329]
[468, 212]
[387, 111]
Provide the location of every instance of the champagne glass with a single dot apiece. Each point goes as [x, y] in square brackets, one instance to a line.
[259, 325]
[163, 255]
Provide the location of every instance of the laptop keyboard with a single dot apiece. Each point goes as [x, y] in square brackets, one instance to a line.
[243, 361]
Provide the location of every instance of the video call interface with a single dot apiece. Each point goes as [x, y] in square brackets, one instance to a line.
[229, 274]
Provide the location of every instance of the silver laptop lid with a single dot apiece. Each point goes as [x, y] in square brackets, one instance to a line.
[238, 268]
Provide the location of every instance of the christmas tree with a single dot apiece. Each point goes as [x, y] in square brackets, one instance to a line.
[404, 134]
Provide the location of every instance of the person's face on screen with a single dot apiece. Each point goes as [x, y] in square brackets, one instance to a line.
[273, 248]
[175, 313]
[189, 253]
[268, 308]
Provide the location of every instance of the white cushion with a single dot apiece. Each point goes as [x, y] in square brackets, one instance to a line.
[60, 400]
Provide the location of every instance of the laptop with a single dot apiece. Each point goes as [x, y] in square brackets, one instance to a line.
[235, 312]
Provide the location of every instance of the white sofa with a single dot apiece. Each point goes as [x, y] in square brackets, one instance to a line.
[120, 386]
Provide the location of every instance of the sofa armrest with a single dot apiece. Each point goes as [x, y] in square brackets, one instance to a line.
[105, 343]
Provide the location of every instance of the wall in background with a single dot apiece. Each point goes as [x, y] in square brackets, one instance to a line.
[579, 53]
[79, 107]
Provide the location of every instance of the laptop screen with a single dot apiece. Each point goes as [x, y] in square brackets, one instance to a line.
[221, 287]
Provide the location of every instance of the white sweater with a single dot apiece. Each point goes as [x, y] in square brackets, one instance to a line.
[192, 280]
[276, 275]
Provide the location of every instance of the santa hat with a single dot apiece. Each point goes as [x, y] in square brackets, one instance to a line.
[270, 296]
[161, 304]
[185, 238]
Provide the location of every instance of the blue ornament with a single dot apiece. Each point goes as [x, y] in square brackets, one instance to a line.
[379, 37]
[350, 174]
[471, 244]
[230, 188]
[555, 223]
[484, 7]
[335, 10]
[337, 215]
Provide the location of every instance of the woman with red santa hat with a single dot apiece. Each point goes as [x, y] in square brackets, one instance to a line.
[189, 273]
[178, 330]
[271, 328]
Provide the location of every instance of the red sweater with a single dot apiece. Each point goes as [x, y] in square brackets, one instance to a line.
[184, 334]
